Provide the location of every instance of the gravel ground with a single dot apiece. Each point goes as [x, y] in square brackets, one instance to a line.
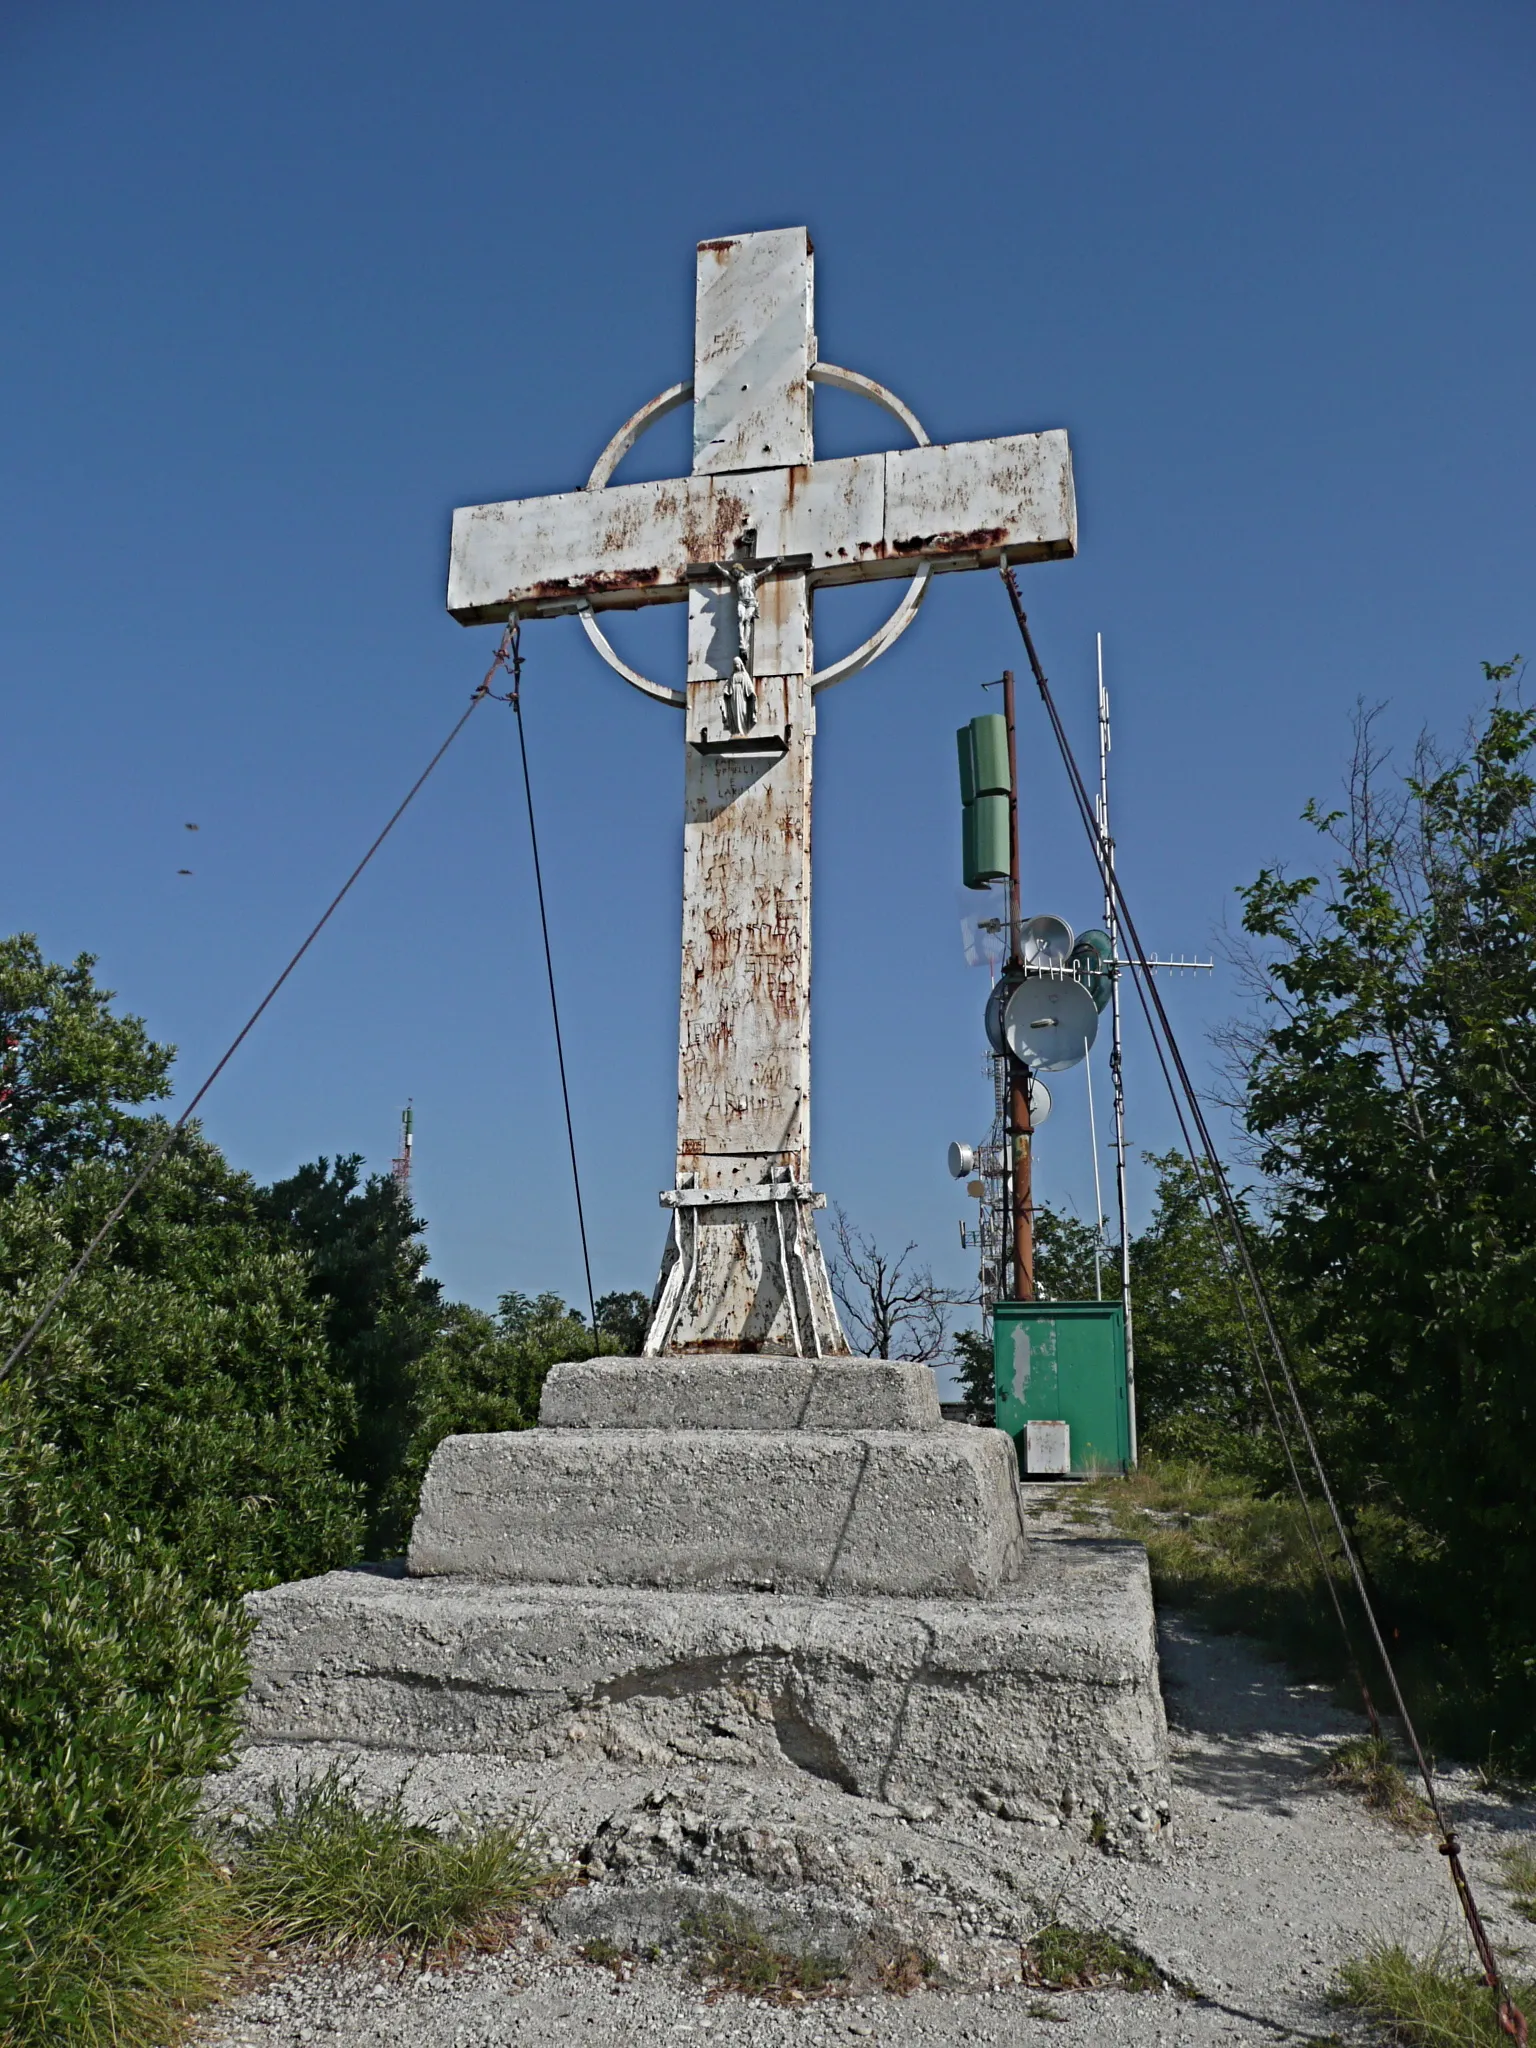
[1264, 1879]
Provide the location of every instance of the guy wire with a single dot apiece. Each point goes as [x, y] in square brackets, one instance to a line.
[515, 698]
[45, 1313]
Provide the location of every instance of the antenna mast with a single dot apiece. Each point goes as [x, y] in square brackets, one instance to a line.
[400, 1165]
[1021, 1123]
[1116, 1069]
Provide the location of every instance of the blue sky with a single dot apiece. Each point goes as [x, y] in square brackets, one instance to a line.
[285, 284]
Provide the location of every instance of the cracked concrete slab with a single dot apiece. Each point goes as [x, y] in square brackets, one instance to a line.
[1043, 1702]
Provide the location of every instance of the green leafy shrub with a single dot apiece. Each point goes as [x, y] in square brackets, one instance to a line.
[118, 1686]
[185, 1380]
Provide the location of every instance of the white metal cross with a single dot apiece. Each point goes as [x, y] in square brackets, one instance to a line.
[746, 539]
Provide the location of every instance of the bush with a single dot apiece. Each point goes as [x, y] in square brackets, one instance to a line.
[185, 1380]
[487, 1373]
[118, 1686]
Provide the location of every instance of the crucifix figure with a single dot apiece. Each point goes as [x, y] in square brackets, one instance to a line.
[745, 540]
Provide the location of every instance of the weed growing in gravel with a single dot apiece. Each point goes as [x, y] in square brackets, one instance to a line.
[733, 1953]
[1520, 1874]
[1365, 1764]
[1432, 2001]
[1494, 1774]
[620, 1961]
[1062, 1958]
[340, 1875]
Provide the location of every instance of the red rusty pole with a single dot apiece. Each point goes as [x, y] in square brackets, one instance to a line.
[1020, 1125]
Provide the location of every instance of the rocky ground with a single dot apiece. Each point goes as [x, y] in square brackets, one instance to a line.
[1261, 1880]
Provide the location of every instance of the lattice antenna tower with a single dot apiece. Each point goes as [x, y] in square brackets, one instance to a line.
[400, 1165]
[989, 1185]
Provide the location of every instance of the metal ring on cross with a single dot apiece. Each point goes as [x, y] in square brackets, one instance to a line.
[679, 394]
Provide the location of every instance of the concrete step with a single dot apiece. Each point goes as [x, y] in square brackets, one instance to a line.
[739, 1390]
[1041, 1705]
[901, 1512]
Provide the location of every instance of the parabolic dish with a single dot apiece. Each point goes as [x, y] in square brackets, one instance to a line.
[1049, 1023]
[961, 1159]
[1044, 941]
[1039, 1102]
[992, 1017]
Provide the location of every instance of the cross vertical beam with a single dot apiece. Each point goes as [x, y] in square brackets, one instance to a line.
[746, 1271]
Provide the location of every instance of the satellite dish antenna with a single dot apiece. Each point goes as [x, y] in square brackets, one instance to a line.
[1039, 1102]
[961, 1159]
[1050, 1022]
[1044, 941]
[992, 1017]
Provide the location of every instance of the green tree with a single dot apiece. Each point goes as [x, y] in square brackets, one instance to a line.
[185, 1380]
[1064, 1248]
[69, 1069]
[487, 1372]
[382, 1314]
[624, 1318]
[1197, 1393]
[1392, 1083]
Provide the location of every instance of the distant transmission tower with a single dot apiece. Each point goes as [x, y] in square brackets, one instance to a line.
[400, 1165]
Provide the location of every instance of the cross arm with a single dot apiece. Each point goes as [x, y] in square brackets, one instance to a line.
[960, 506]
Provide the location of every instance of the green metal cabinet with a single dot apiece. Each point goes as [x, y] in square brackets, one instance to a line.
[1064, 1361]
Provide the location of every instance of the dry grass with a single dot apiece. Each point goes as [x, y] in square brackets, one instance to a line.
[1241, 1560]
[1520, 1875]
[732, 1953]
[1214, 1539]
[1366, 1764]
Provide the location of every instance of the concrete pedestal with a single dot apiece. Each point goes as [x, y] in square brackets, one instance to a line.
[818, 1572]
[1043, 1703]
